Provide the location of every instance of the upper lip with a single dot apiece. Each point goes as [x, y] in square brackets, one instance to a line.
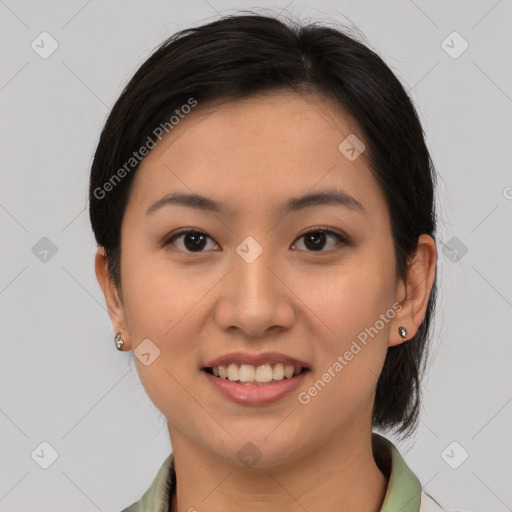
[255, 359]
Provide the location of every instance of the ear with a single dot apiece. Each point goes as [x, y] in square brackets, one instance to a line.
[413, 294]
[113, 298]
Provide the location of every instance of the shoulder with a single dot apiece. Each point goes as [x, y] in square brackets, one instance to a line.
[428, 504]
[157, 497]
[405, 491]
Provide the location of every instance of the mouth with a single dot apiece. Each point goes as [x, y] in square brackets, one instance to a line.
[260, 375]
[260, 385]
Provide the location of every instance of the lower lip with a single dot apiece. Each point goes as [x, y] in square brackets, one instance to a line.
[255, 394]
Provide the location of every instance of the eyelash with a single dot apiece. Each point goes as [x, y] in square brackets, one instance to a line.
[342, 240]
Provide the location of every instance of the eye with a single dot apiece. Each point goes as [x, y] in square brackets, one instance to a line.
[193, 240]
[315, 240]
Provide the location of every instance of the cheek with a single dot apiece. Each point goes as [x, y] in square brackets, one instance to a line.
[163, 307]
[157, 294]
[166, 313]
[351, 359]
[356, 309]
[354, 296]
[166, 304]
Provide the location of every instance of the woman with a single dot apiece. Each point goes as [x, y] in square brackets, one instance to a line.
[263, 201]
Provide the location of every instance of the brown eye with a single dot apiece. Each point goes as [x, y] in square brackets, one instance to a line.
[316, 240]
[193, 240]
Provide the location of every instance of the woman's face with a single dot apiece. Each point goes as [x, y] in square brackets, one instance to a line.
[254, 283]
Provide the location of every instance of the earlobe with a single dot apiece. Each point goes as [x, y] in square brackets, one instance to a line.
[413, 295]
[112, 297]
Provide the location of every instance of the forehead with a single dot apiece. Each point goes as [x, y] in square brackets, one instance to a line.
[266, 121]
[257, 150]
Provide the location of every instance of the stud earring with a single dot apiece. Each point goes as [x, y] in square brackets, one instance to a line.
[403, 332]
[119, 341]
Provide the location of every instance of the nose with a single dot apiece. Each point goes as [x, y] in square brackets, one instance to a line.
[255, 298]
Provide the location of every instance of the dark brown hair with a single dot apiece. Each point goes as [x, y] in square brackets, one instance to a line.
[247, 54]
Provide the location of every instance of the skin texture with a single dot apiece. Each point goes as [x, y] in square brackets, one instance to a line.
[252, 155]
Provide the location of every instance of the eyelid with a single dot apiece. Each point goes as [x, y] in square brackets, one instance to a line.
[325, 229]
[343, 239]
[175, 234]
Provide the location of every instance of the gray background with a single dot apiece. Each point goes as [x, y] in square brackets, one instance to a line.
[62, 380]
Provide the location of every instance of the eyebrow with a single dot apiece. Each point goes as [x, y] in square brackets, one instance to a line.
[294, 204]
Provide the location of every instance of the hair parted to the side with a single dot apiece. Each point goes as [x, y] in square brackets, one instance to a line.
[247, 54]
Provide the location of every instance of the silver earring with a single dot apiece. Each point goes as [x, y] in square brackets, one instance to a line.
[119, 341]
[403, 332]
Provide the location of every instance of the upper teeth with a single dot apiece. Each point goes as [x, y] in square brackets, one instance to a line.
[251, 373]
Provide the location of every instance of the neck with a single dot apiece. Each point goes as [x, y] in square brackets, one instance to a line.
[340, 475]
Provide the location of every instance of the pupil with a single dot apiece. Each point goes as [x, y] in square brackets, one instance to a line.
[315, 237]
[314, 241]
[197, 244]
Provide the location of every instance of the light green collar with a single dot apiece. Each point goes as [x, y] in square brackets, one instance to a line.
[403, 493]
[156, 498]
[404, 489]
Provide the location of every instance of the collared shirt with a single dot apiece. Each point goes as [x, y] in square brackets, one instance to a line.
[404, 492]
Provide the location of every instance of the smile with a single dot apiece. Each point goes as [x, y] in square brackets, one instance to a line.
[243, 391]
[251, 374]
